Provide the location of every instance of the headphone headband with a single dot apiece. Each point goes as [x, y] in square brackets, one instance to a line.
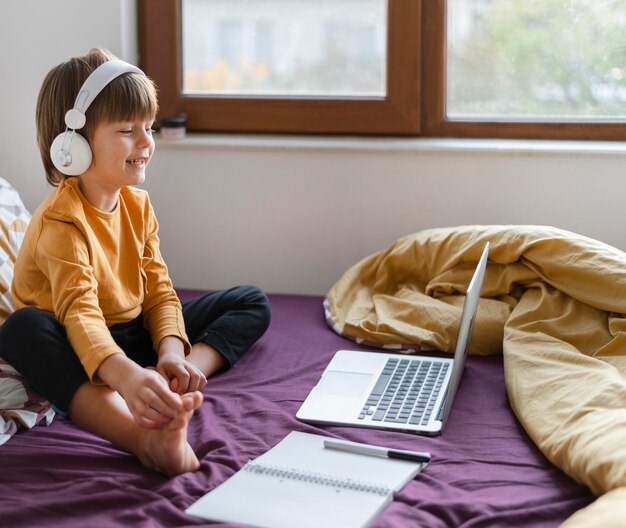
[95, 83]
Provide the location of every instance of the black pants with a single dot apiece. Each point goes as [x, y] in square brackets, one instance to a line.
[36, 345]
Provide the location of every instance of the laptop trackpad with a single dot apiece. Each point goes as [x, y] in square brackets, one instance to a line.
[340, 383]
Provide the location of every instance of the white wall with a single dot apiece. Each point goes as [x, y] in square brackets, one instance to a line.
[291, 214]
[36, 35]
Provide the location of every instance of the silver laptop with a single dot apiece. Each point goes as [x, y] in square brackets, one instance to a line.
[394, 391]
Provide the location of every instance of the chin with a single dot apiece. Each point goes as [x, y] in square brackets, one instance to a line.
[137, 179]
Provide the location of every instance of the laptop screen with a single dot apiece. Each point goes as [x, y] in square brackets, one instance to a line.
[468, 315]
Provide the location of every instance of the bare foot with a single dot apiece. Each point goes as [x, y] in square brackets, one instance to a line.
[166, 450]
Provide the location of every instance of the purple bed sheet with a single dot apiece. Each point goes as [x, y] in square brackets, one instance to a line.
[485, 470]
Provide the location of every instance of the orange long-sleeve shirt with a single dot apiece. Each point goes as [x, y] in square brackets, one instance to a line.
[93, 269]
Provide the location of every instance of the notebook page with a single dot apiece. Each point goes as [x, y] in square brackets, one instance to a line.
[306, 451]
[270, 502]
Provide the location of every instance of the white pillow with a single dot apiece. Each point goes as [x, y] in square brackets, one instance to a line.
[14, 218]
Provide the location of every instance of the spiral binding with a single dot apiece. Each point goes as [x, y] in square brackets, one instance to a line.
[316, 478]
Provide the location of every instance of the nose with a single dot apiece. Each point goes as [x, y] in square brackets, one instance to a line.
[144, 138]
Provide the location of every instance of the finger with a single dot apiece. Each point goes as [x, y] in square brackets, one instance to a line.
[149, 424]
[200, 380]
[193, 383]
[183, 379]
[149, 417]
[155, 416]
[178, 371]
[162, 371]
[162, 399]
[163, 379]
[190, 381]
[182, 388]
[197, 382]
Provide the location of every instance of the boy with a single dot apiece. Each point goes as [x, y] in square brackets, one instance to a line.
[100, 331]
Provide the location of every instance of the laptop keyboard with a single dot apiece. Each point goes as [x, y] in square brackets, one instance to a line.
[406, 391]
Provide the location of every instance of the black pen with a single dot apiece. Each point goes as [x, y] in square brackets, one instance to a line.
[363, 449]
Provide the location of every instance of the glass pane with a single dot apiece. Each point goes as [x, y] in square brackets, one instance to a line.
[536, 59]
[284, 47]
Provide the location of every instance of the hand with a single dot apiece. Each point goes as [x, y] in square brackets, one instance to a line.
[183, 376]
[147, 395]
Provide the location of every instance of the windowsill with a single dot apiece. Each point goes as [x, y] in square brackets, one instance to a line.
[392, 144]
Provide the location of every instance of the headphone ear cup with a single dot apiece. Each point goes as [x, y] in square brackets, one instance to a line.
[70, 153]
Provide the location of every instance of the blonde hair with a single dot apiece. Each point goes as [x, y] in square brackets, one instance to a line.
[128, 97]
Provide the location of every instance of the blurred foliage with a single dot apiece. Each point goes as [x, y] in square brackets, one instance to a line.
[539, 58]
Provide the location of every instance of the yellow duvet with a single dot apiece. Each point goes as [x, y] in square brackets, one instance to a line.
[553, 302]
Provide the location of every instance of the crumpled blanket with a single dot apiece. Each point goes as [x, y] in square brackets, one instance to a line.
[20, 406]
[553, 302]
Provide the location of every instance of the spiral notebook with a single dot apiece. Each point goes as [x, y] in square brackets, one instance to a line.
[300, 483]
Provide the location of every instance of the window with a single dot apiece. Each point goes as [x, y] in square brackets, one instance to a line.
[288, 48]
[462, 68]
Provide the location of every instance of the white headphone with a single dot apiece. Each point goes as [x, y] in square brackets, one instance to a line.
[70, 152]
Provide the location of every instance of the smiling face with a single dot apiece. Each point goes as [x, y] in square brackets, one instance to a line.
[121, 152]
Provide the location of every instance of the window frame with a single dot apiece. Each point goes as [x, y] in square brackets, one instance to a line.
[396, 113]
[414, 104]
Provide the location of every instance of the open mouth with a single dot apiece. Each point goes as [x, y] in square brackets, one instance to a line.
[138, 163]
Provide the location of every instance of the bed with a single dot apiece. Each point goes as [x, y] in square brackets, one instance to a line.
[485, 471]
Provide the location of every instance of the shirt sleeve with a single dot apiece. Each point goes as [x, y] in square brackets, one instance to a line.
[162, 311]
[63, 256]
